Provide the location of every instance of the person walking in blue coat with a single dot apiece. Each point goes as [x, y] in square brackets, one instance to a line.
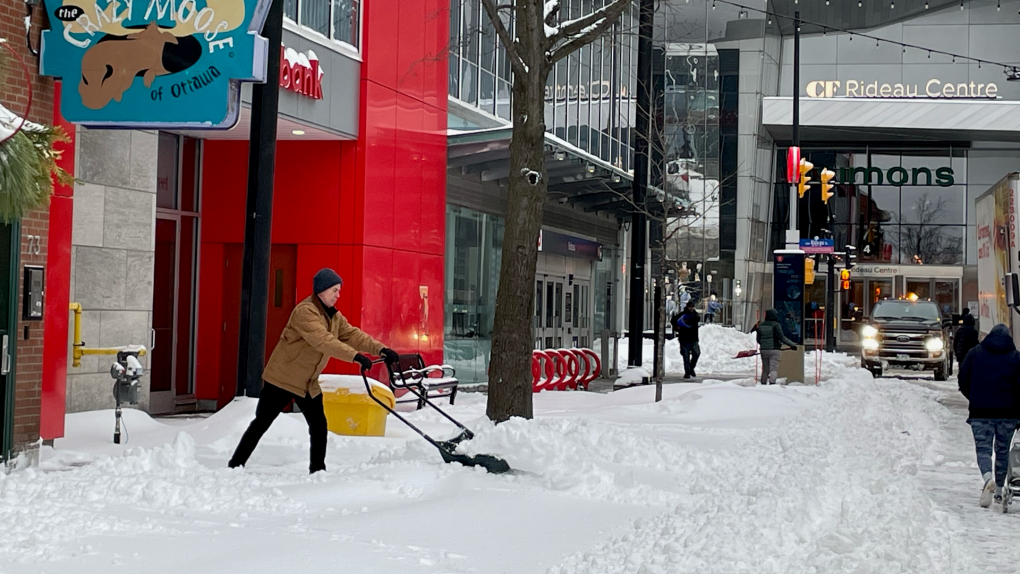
[990, 379]
[686, 326]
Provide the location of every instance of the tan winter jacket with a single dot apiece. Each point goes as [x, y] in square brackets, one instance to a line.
[308, 342]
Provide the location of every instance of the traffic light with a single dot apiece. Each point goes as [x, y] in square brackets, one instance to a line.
[809, 271]
[844, 279]
[851, 257]
[802, 183]
[826, 176]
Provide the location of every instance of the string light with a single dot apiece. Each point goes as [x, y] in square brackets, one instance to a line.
[961, 4]
[998, 6]
[926, 5]
[744, 12]
[892, 5]
[859, 3]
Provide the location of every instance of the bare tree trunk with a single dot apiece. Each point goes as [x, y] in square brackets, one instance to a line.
[510, 389]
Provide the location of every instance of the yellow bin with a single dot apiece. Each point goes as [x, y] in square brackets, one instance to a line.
[350, 411]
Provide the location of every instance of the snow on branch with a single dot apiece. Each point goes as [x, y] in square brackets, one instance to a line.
[573, 34]
[552, 9]
[516, 62]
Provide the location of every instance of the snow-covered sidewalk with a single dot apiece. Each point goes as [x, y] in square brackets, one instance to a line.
[717, 478]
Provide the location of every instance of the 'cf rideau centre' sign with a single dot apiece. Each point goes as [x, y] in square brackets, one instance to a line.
[933, 89]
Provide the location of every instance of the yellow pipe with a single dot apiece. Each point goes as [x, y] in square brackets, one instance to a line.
[77, 344]
[79, 347]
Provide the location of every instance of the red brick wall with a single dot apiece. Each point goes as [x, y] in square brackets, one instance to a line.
[14, 95]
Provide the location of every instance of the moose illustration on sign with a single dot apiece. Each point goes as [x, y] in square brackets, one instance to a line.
[154, 63]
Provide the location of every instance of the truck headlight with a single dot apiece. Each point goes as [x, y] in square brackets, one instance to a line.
[870, 345]
[934, 344]
[869, 332]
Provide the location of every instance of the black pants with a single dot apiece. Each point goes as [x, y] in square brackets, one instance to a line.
[272, 401]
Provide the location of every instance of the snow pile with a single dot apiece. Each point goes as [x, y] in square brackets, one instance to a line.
[834, 489]
[632, 376]
[719, 345]
[834, 365]
[43, 509]
[353, 384]
[715, 478]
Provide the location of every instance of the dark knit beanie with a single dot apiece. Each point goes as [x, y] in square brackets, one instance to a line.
[325, 279]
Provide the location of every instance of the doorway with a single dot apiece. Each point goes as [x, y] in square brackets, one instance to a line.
[856, 305]
[9, 246]
[549, 307]
[282, 300]
[171, 367]
[944, 292]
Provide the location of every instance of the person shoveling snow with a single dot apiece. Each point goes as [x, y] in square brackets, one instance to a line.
[315, 332]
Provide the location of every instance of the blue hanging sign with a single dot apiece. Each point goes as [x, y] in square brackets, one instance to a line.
[154, 63]
[817, 245]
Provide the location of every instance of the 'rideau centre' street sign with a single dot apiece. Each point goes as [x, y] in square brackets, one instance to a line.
[154, 63]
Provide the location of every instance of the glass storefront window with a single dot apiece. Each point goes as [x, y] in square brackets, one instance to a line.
[931, 244]
[898, 206]
[339, 20]
[933, 205]
[473, 253]
[589, 98]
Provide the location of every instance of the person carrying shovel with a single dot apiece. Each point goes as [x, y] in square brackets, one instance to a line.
[771, 339]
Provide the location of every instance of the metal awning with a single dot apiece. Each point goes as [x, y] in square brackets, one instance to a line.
[864, 119]
[575, 177]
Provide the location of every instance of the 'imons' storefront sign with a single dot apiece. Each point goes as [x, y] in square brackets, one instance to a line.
[154, 63]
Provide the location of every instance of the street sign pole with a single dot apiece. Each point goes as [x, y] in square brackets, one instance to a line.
[830, 305]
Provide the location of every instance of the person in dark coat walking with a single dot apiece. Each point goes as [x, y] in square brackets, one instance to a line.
[771, 340]
[686, 326]
[965, 339]
[990, 379]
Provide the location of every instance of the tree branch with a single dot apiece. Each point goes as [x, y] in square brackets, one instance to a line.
[519, 66]
[581, 31]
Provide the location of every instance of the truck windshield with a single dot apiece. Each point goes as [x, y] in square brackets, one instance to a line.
[905, 310]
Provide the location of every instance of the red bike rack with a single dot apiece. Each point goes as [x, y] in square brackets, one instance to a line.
[571, 368]
[560, 369]
[542, 361]
[596, 366]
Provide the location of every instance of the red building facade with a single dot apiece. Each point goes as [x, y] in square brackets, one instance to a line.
[371, 208]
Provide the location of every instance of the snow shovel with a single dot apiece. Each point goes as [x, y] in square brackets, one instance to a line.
[447, 448]
[746, 353]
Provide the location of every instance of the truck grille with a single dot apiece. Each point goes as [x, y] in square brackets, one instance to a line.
[894, 343]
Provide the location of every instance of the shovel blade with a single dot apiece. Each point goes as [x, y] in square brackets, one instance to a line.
[490, 463]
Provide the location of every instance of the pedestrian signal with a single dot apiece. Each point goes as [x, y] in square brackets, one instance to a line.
[844, 279]
[809, 271]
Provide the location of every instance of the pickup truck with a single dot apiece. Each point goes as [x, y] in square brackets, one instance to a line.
[907, 334]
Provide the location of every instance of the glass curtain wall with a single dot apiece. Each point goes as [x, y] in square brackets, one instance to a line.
[473, 249]
[589, 98]
[336, 19]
